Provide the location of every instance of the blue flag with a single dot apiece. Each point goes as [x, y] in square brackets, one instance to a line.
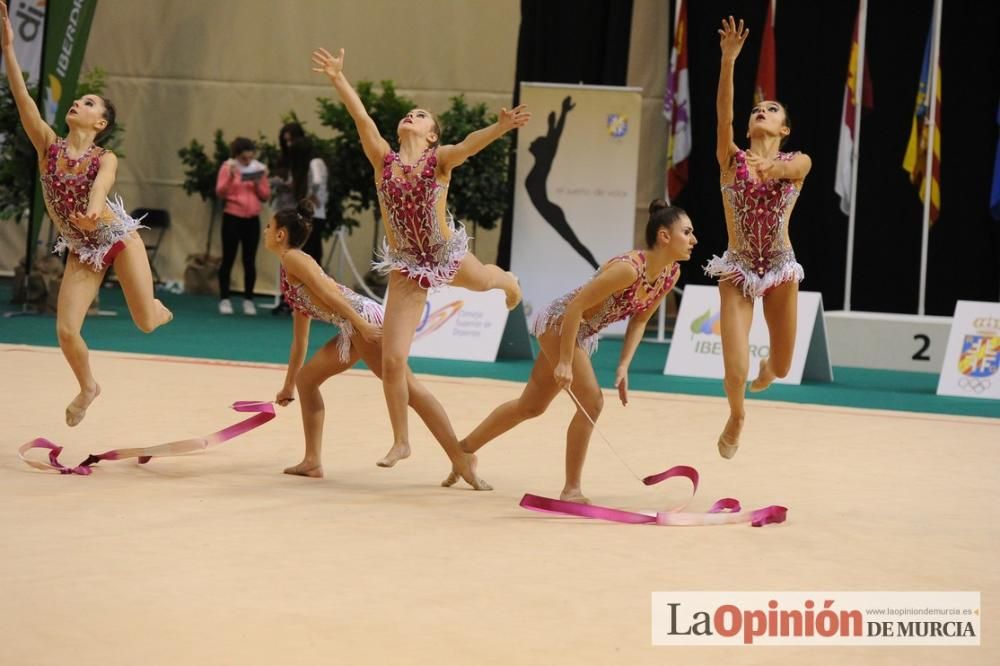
[995, 192]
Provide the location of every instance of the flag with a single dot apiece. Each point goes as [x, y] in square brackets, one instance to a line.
[845, 151]
[65, 41]
[767, 80]
[28, 21]
[915, 159]
[676, 108]
[995, 192]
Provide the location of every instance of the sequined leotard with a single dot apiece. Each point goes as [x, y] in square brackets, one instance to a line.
[759, 256]
[298, 298]
[635, 298]
[419, 248]
[66, 185]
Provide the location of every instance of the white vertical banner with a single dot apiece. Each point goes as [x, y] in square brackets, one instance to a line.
[972, 361]
[27, 17]
[574, 196]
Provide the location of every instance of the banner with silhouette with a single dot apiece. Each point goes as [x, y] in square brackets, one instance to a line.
[574, 195]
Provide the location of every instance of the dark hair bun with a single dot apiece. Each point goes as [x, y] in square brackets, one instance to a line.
[306, 210]
[657, 204]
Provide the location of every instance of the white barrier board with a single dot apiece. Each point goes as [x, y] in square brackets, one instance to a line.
[461, 325]
[887, 341]
[972, 360]
[696, 347]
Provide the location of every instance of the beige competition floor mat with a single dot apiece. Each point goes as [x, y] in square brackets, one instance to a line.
[218, 558]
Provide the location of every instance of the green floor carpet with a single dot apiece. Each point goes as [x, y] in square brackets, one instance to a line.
[198, 330]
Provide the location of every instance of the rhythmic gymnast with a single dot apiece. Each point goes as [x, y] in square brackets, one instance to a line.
[759, 189]
[421, 250]
[77, 175]
[312, 294]
[629, 286]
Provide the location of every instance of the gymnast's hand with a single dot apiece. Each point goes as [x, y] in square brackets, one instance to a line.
[84, 222]
[8, 30]
[621, 383]
[563, 374]
[516, 117]
[285, 396]
[766, 168]
[326, 63]
[731, 38]
[370, 332]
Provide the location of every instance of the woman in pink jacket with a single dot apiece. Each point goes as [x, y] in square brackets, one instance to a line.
[242, 186]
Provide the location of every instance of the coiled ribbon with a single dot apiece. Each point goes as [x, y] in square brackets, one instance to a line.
[263, 412]
[725, 511]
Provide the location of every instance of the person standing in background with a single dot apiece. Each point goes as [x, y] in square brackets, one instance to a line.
[242, 186]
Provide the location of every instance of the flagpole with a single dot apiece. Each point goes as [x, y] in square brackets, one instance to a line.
[929, 166]
[859, 87]
[661, 312]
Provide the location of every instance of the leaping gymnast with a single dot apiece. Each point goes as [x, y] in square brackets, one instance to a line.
[77, 176]
[312, 294]
[629, 286]
[759, 189]
[422, 250]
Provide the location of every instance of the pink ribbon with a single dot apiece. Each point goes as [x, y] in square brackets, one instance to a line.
[263, 412]
[725, 511]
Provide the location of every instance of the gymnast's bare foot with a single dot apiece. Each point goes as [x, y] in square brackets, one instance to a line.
[764, 377]
[314, 470]
[513, 296]
[729, 440]
[77, 409]
[164, 315]
[573, 495]
[396, 453]
[466, 470]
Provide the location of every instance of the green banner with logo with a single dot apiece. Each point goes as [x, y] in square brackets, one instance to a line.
[67, 27]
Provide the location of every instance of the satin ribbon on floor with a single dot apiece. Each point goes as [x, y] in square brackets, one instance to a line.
[263, 412]
[725, 511]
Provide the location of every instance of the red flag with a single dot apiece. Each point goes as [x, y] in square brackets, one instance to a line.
[767, 80]
[677, 107]
[848, 133]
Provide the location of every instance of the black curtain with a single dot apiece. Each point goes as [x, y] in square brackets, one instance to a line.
[813, 43]
[567, 41]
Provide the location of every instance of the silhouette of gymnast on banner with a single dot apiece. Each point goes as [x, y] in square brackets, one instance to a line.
[544, 149]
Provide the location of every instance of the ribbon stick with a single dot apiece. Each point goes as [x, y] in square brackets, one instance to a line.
[725, 511]
[263, 412]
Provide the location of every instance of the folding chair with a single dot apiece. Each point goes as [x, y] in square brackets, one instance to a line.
[158, 220]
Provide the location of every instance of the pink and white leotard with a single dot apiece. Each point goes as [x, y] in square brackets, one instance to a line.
[633, 299]
[299, 299]
[66, 185]
[760, 255]
[419, 242]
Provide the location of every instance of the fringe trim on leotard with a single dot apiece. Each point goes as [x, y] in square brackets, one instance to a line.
[552, 318]
[370, 311]
[728, 267]
[449, 260]
[96, 244]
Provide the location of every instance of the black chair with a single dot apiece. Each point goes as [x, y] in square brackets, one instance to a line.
[158, 221]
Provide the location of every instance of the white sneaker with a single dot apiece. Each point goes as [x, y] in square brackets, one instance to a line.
[249, 308]
[225, 307]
